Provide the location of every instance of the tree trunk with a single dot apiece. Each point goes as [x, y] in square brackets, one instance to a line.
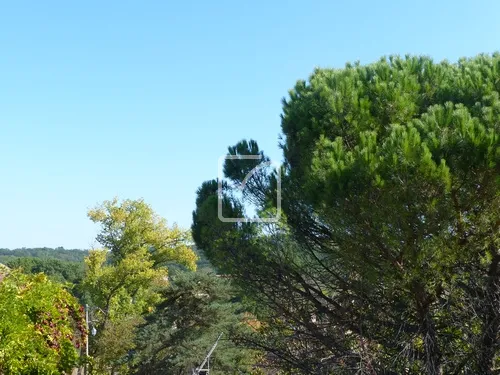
[431, 346]
[432, 353]
[491, 321]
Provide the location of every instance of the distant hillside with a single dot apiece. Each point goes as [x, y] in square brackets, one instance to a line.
[60, 264]
[8, 256]
[60, 253]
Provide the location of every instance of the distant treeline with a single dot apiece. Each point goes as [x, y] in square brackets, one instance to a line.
[60, 253]
[63, 265]
[59, 264]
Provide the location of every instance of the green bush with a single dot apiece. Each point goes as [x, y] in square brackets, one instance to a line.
[41, 326]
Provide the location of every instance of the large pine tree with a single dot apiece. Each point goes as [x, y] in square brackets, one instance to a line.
[387, 258]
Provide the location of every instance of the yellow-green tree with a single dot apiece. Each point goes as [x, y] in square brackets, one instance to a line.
[122, 278]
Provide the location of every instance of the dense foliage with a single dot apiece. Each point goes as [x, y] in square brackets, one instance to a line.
[196, 308]
[42, 326]
[57, 270]
[386, 259]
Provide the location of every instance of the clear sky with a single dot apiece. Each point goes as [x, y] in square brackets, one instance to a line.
[140, 98]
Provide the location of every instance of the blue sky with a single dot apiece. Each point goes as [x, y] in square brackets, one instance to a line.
[140, 98]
